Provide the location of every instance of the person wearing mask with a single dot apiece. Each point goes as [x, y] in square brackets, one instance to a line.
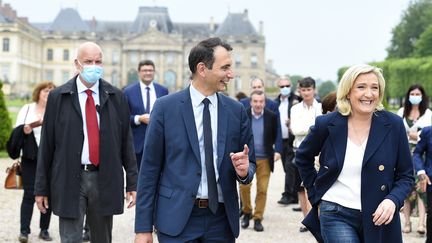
[365, 171]
[285, 100]
[416, 115]
[141, 97]
[86, 145]
[26, 140]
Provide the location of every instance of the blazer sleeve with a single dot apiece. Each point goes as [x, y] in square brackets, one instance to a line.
[305, 155]
[421, 149]
[149, 177]
[247, 138]
[403, 174]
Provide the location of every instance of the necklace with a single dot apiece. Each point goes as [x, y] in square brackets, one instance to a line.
[359, 138]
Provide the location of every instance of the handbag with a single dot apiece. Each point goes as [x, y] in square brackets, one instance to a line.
[14, 178]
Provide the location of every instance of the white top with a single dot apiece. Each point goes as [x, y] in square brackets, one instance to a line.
[198, 108]
[302, 118]
[152, 93]
[82, 97]
[32, 116]
[423, 121]
[283, 114]
[346, 190]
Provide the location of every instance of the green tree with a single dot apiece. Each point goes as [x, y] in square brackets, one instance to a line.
[5, 122]
[423, 46]
[325, 88]
[415, 20]
[294, 80]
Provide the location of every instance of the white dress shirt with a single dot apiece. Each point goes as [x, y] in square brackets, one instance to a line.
[82, 96]
[283, 114]
[198, 108]
[153, 97]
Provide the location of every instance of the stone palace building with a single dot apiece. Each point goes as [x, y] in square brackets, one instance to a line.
[34, 52]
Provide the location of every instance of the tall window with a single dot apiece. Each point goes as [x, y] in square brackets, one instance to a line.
[115, 57]
[49, 75]
[254, 60]
[50, 54]
[65, 55]
[6, 44]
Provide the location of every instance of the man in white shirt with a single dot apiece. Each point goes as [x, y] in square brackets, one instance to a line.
[303, 117]
[141, 97]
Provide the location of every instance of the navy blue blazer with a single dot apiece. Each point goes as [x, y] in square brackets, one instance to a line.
[424, 147]
[136, 107]
[168, 186]
[387, 171]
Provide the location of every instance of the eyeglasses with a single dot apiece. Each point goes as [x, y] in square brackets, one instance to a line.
[284, 86]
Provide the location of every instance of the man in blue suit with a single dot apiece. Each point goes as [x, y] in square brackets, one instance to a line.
[199, 143]
[141, 97]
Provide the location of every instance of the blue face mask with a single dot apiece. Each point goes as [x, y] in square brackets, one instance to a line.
[91, 73]
[415, 99]
[285, 91]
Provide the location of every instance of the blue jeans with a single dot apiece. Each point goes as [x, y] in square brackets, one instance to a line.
[340, 224]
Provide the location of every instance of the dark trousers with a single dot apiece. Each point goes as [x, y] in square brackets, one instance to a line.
[429, 216]
[100, 226]
[28, 168]
[292, 176]
[203, 226]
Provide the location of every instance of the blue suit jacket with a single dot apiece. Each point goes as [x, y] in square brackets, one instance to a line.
[136, 107]
[387, 170]
[424, 147]
[168, 186]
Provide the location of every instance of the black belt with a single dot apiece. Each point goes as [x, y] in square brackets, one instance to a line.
[89, 167]
[201, 203]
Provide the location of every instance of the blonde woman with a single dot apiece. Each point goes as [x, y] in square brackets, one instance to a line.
[366, 169]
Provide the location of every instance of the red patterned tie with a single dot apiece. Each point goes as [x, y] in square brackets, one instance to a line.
[92, 128]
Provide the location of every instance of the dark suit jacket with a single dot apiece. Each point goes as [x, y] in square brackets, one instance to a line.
[59, 158]
[136, 107]
[424, 148]
[271, 135]
[387, 171]
[168, 186]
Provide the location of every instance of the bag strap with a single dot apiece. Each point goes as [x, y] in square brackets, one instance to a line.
[25, 118]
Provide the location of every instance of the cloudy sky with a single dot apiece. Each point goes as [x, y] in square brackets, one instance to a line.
[305, 37]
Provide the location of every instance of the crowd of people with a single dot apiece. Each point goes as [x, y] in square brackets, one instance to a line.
[186, 160]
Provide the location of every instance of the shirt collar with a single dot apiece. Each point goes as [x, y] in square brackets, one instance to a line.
[197, 97]
[257, 116]
[82, 88]
[314, 104]
[143, 85]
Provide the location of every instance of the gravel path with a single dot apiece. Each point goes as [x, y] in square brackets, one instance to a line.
[281, 224]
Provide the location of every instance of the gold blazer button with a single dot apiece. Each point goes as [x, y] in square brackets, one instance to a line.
[381, 167]
[383, 187]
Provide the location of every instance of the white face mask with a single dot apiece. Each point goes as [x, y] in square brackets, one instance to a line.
[415, 99]
[285, 91]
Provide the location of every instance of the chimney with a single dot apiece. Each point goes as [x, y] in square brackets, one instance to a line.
[212, 24]
[261, 27]
[245, 15]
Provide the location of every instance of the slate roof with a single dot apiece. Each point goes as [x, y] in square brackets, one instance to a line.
[4, 19]
[236, 24]
[193, 29]
[148, 14]
[68, 20]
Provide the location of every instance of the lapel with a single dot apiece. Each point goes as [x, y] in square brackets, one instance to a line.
[380, 128]
[104, 92]
[189, 122]
[139, 98]
[157, 90]
[71, 89]
[338, 134]
[222, 128]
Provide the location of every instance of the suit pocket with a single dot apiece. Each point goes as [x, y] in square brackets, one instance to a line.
[165, 191]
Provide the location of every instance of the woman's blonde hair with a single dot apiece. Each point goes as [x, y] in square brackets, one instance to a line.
[347, 81]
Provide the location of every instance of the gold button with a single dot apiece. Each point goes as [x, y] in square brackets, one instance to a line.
[383, 187]
[381, 167]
